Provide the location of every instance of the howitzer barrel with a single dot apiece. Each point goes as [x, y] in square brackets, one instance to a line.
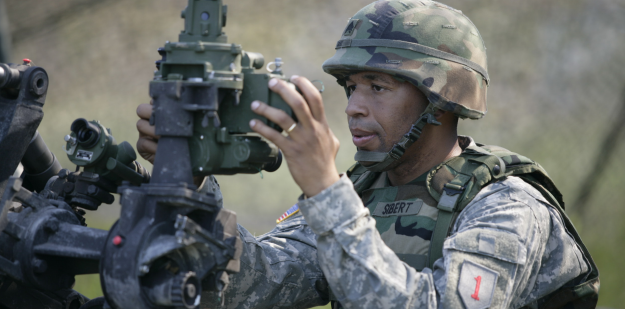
[39, 163]
[9, 77]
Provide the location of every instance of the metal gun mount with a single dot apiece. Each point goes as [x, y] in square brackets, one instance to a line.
[171, 242]
[44, 245]
[42, 242]
[23, 90]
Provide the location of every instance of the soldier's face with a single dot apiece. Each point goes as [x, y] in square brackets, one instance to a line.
[381, 109]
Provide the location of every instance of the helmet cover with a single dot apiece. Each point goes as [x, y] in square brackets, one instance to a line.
[429, 44]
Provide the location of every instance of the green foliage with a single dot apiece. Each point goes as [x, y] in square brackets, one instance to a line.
[88, 285]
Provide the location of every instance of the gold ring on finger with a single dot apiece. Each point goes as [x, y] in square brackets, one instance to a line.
[290, 129]
[286, 132]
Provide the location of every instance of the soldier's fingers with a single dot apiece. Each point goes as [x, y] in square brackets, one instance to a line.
[312, 96]
[276, 115]
[144, 111]
[146, 147]
[269, 133]
[293, 98]
[145, 129]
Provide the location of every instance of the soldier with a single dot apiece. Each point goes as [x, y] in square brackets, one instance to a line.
[426, 218]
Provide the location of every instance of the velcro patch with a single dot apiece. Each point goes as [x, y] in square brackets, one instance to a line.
[397, 208]
[498, 244]
[477, 285]
[351, 26]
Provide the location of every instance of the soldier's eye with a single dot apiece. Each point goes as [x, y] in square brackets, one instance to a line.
[351, 89]
[376, 88]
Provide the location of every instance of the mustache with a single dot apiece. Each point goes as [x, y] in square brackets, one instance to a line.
[358, 124]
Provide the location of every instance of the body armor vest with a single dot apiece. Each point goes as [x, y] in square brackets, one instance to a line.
[414, 219]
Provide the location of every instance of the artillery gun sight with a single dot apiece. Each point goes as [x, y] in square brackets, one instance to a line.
[202, 91]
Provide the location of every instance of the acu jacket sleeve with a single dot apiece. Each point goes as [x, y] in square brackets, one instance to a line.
[278, 269]
[506, 251]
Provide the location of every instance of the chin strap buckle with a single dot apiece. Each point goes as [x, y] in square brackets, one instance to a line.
[417, 127]
[431, 119]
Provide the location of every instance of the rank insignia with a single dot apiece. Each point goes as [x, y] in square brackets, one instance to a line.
[351, 26]
[293, 210]
[477, 285]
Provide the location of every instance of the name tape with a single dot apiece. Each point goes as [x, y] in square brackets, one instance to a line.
[397, 208]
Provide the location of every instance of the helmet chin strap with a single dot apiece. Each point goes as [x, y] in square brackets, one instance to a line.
[385, 159]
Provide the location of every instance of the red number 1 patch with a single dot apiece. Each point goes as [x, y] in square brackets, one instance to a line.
[477, 288]
[476, 285]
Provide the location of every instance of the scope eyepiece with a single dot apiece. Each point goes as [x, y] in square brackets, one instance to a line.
[275, 165]
[87, 133]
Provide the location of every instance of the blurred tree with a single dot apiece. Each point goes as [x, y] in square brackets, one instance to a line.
[5, 34]
[607, 151]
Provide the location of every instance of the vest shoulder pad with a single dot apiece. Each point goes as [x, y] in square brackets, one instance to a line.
[481, 165]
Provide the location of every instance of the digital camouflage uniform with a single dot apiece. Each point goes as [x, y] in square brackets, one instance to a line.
[508, 229]
[372, 246]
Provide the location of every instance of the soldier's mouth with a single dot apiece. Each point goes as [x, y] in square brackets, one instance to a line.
[361, 141]
[361, 138]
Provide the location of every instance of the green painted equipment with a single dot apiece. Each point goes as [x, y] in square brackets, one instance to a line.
[202, 91]
[92, 147]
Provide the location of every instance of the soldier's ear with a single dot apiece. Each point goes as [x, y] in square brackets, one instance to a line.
[446, 117]
[439, 113]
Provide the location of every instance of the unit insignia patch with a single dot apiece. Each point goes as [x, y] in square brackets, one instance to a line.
[476, 285]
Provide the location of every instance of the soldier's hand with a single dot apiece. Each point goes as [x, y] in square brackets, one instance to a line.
[310, 147]
[147, 143]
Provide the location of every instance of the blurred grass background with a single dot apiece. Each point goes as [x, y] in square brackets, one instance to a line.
[556, 70]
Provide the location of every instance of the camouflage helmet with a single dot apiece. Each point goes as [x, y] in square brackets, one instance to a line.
[431, 45]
